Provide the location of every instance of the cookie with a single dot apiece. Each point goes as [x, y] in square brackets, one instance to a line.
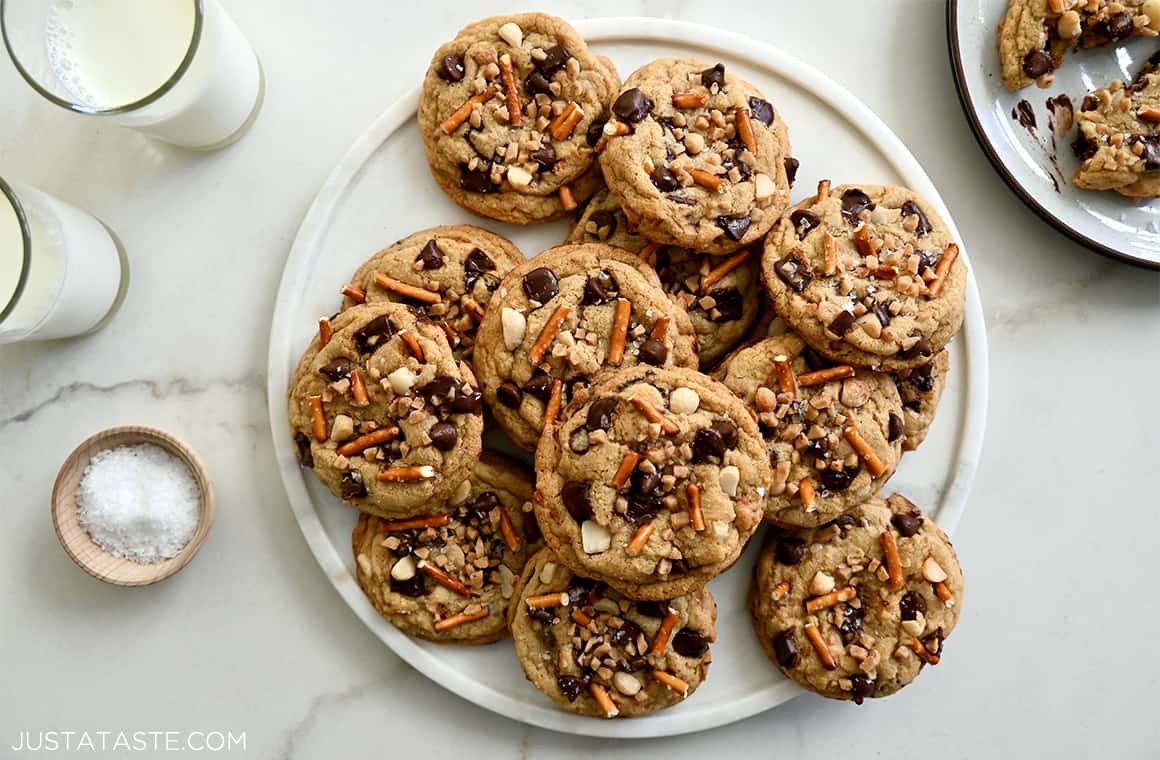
[697, 157]
[596, 652]
[449, 576]
[867, 275]
[856, 608]
[721, 296]
[510, 112]
[833, 433]
[653, 484]
[1034, 35]
[449, 273]
[559, 319]
[384, 415]
[920, 389]
[1119, 136]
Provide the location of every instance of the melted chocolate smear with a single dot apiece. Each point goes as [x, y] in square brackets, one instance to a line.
[416, 586]
[921, 348]
[1151, 154]
[543, 615]
[305, 455]
[336, 370]
[541, 284]
[652, 609]
[860, 688]
[1025, 115]
[911, 604]
[881, 310]
[632, 105]
[430, 257]
[851, 625]
[450, 68]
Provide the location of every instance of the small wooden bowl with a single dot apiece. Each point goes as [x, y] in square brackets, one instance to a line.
[80, 547]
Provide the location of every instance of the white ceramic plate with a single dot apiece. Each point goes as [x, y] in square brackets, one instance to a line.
[1037, 165]
[382, 191]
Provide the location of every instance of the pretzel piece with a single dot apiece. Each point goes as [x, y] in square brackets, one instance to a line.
[664, 632]
[808, 495]
[601, 696]
[412, 344]
[325, 332]
[456, 119]
[820, 646]
[552, 409]
[639, 539]
[826, 601]
[619, 331]
[354, 294]
[567, 199]
[873, 463]
[660, 327]
[409, 474]
[823, 376]
[923, 653]
[696, 517]
[690, 99]
[935, 286]
[440, 576]
[673, 682]
[823, 190]
[511, 94]
[830, 248]
[652, 414]
[412, 523]
[718, 272]
[406, 290]
[458, 619]
[710, 182]
[373, 438]
[358, 388]
[508, 530]
[318, 418]
[563, 125]
[745, 130]
[548, 334]
[624, 471]
[784, 374]
[892, 561]
[547, 601]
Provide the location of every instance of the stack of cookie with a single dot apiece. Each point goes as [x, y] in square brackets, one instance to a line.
[668, 412]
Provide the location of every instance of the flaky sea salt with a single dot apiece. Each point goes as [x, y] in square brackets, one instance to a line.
[138, 502]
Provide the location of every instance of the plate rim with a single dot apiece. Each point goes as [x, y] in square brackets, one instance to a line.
[1023, 193]
[610, 29]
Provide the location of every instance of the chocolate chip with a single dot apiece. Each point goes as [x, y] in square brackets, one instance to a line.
[794, 272]
[653, 352]
[803, 221]
[1120, 26]
[539, 385]
[690, 643]
[600, 413]
[537, 83]
[921, 348]
[1089, 103]
[604, 220]
[336, 369]
[791, 169]
[906, 524]
[707, 444]
[728, 303]
[574, 494]
[734, 226]
[838, 480]
[450, 68]
[1151, 153]
[545, 157]
[684, 200]
[508, 394]
[680, 567]
[1037, 63]
[714, 76]
[544, 615]
[475, 266]
[376, 332]
[601, 287]
[430, 257]
[595, 130]
[653, 609]
[911, 604]
[842, 323]
[854, 202]
[860, 688]
[922, 378]
[895, 428]
[541, 284]
[352, 485]
[910, 208]
[484, 503]
[415, 586]
[728, 432]
[664, 179]
[572, 686]
[814, 360]
[644, 483]
[634, 663]
[851, 626]
[641, 507]
[632, 105]
[554, 59]
[627, 633]
[305, 455]
[443, 436]
[785, 649]
[476, 180]
[761, 110]
[467, 401]
[879, 310]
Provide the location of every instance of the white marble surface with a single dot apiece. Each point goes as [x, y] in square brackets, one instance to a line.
[1052, 656]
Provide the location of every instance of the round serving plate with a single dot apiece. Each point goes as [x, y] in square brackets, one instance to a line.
[382, 191]
[1024, 139]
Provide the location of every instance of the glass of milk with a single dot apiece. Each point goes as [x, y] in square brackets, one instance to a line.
[62, 273]
[177, 70]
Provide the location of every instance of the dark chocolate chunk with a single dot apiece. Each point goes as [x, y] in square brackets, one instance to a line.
[761, 110]
[851, 626]
[595, 129]
[911, 604]
[626, 633]
[537, 83]
[483, 504]
[554, 59]
[734, 226]
[443, 435]
[880, 310]
[1151, 153]
[476, 265]
[680, 567]
[664, 179]
[601, 288]
[714, 76]
[541, 284]
[1037, 63]
[543, 615]
[641, 507]
[842, 323]
[794, 272]
[632, 105]
[416, 586]
[545, 157]
[729, 304]
[476, 180]
[690, 643]
[336, 369]
[467, 401]
[922, 378]
[791, 169]
[910, 208]
[539, 385]
[712, 442]
[374, 334]
[785, 649]
[728, 432]
[574, 494]
[604, 220]
[860, 688]
[1089, 103]
[803, 221]
[1120, 26]
[645, 483]
[838, 480]
[907, 525]
[572, 686]
[305, 455]
[600, 413]
[653, 609]
[509, 395]
[921, 348]
[450, 68]
[854, 202]
[653, 352]
[896, 428]
[352, 485]
[430, 257]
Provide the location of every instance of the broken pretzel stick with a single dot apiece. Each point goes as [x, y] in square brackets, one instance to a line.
[412, 344]
[619, 331]
[944, 593]
[830, 248]
[354, 294]
[1151, 114]
[664, 632]
[652, 414]
[863, 242]
[325, 332]
[923, 653]
[867, 455]
[563, 125]
[639, 539]
[580, 616]
[511, 94]
[935, 286]
[461, 618]
[745, 130]
[820, 646]
[412, 523]
[625, 470]
[826, 601]
[547, 601]
[318, 418]
[472, 307]
[823, 190]
[552, 409]
[358, 388]
[718, 272]
[784, 374]
[440, 576]
[892, 561]
[710, 182]
[548, 334]
[649, 251]
[607, 706]
[808, 495]
[660, 327]
[449, 331]
[823, 376]
[780, 591]
[373, 438]
[696, 517]
[673, 682]
[410, 474]
[567, 199]
[406, 290]
[456, 119]
[508, 530]
[690, 99]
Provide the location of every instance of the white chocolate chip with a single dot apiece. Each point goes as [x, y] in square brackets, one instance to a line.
[511, 34]
[506, 582]
[401, 380]
[763, 187]
[729, 478]
[821, 584]
[684, 401]
[915, 627]
[626, 683]
[519, 178]
[364, 563]
[547, 571]
[514, 327]
[342, 429]
[404, 569]
[933, 571]
[595, 538]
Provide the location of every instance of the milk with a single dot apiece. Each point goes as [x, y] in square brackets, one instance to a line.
[113, 53]
[75, 271]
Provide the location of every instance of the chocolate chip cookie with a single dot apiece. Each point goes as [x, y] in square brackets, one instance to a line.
[510, 112]
[1119, 136]
[383, 413]
[833, 433]
[449, 273]
[868, 275]
[1035, 34]
[921, 389]
[856, 608]
[561, 318]
[654, 484]
[448, 576]
[596, 652]
[721, 295]
[696, 156]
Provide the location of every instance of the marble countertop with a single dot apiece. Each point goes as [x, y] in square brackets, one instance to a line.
[1051, 656]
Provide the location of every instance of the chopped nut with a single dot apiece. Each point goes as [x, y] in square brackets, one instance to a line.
[626, 683]
[594, 537]
[401, 380]
[932, 571]
[404, 569]
[763, 187]
[342, 429]
[518, 177]
[514, 327]
[512, 34]
[729, 478]
[821, 584]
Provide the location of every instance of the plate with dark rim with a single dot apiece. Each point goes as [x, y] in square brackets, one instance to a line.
[1028, 134]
